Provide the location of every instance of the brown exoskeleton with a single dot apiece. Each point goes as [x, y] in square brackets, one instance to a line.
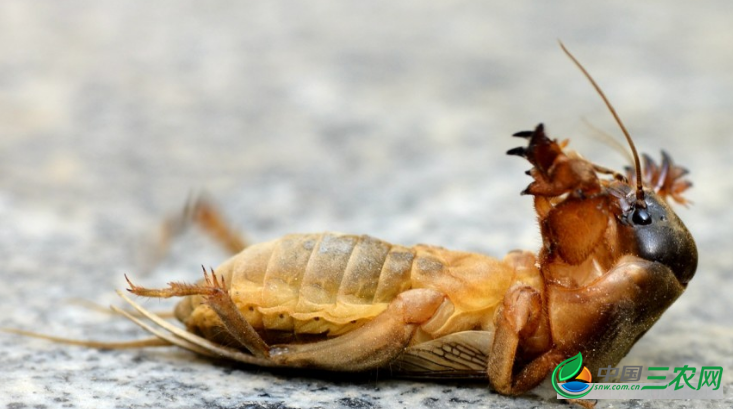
[614, 257]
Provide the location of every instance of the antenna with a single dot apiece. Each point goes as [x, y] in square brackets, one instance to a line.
[640, 203]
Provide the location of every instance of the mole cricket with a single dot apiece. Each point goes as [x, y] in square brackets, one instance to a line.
[614, 257]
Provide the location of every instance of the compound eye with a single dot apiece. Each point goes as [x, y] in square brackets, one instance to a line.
[641, 216]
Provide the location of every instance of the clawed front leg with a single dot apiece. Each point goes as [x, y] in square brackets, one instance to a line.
[519, 318]
[554, 171]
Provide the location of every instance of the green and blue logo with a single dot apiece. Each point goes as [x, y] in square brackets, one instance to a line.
[571, 379]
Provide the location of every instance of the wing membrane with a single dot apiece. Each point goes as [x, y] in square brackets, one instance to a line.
[460, 355]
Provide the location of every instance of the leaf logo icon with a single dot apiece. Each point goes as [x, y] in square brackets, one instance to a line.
[570, 367]
[566, 374]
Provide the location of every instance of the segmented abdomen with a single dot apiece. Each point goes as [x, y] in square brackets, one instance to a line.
[317, 283]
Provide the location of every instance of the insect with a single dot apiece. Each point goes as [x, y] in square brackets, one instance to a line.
[614, 257]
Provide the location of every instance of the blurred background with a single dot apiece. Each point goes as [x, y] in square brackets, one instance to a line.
[390, 118]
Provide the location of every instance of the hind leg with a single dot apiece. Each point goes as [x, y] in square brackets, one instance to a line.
[371, 346]
[216, 295]
[200, 211]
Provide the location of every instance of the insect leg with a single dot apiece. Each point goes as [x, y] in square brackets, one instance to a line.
[191, 341]
[235, 324]
[554, 172]
[203, 212]
[174, 289]
[518, 319]
[606, 171]
[216, 295]
[198, 210]
[371, 346]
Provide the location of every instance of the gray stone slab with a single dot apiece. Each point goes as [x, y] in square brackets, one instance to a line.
[389, 118]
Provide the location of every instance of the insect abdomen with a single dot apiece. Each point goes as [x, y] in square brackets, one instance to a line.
[317, 283]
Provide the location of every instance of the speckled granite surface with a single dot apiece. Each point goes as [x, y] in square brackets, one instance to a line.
[387, 118]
